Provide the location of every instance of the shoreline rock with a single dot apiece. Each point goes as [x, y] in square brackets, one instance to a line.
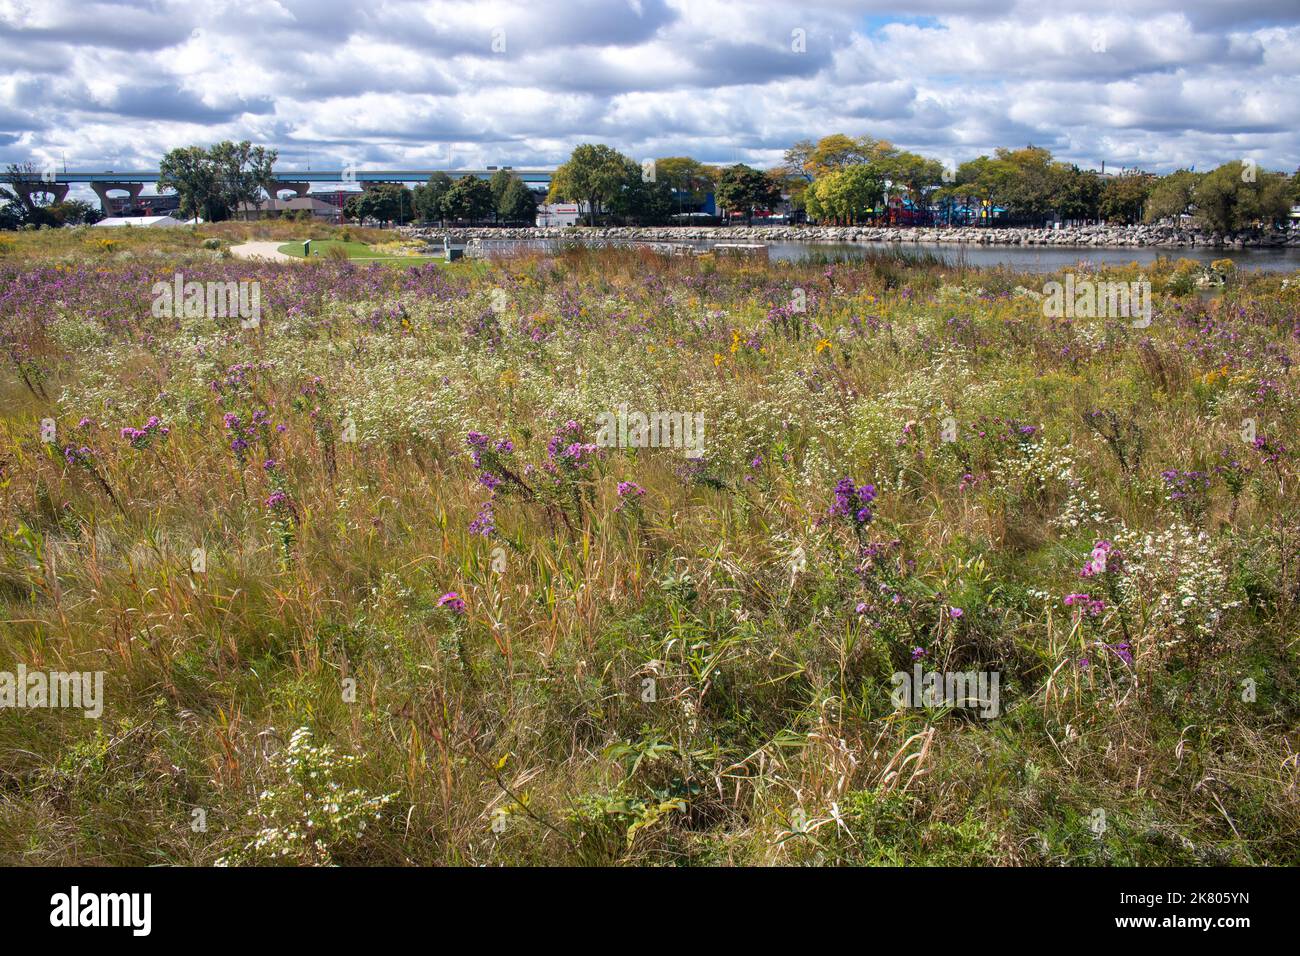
[1159, 236]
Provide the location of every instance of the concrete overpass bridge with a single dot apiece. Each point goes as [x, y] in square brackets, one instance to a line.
[56, 184]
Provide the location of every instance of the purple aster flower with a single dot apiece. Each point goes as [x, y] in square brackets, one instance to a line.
[853, 502]
[484, 523]
[1121, 651]
[452, 602]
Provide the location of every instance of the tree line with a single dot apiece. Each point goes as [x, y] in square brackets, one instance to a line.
[837, 179]
[505, 198]
[847, 180]
[614, 187]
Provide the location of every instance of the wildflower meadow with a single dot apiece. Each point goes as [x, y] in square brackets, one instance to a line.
[606, 557]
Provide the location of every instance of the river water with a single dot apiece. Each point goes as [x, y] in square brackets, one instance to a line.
[1023, 258]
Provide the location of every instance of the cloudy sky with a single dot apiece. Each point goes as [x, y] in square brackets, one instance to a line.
[112, 85]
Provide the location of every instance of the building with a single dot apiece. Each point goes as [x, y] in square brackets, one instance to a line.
[558, 214]
[277, 208]
[336, 198]
[164, 204]
[140, 222]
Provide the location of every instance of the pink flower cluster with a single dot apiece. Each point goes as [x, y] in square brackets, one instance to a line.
[1085, 605]
[139, 437]
[1105, 557]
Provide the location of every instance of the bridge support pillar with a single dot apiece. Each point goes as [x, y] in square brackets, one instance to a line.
[58, 190]
[101, 190]
[300, 189]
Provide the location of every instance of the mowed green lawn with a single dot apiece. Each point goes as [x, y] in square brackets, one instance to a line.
[357, 252]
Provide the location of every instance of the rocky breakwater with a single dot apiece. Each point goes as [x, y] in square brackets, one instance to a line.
[1118, 236]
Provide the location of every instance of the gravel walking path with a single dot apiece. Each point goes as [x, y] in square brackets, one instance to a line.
[260, 250]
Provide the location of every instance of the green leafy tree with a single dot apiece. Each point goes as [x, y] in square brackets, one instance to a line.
[1235, 197]
[848, 195]
[75, 212]
[912, 175]
[427, 198]
[594, 174]
[742, 188]
[838, 151]
[1028, 180]
[1123, 198]
[1078, 193]
[518, 203]
[1172, 196]
[469, 198]
[385, 202]
[243, 171]
[643, 203]
[977, 181]
[982, 178]
[499, 183]
[212, 183]
[835, 152]
[191, 174]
